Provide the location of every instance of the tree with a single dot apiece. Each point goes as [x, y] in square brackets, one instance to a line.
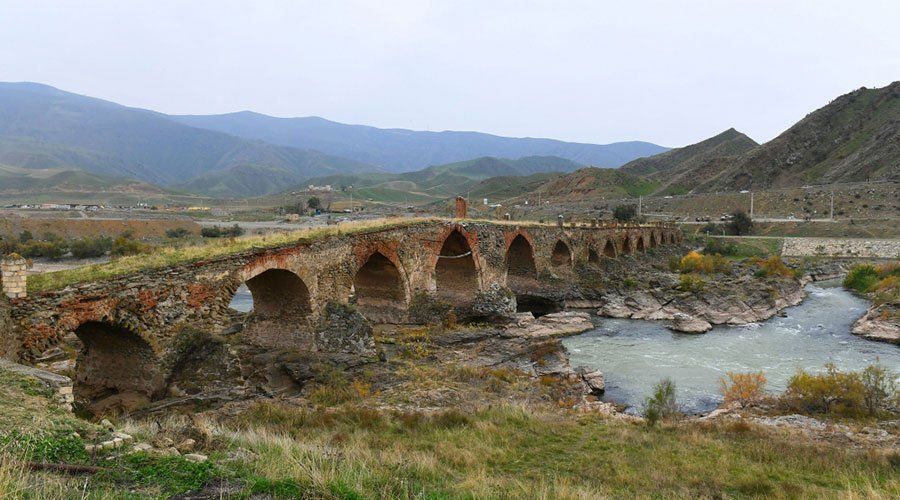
[314, 203]
[740, 223]
[624, 213]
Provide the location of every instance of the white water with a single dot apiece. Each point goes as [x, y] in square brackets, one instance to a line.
[635, 354]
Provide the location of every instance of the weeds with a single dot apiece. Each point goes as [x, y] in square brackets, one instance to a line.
[662, 404]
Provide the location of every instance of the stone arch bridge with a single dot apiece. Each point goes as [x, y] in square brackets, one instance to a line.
[132, 326]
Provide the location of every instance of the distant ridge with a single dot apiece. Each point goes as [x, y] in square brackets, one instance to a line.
[401, 150]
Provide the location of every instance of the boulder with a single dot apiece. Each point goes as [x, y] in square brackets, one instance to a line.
[686, 323]
[551, 325]
[594, 380]
[344, 329]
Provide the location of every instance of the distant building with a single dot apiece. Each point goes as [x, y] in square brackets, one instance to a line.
[219, 212]
[319, 189]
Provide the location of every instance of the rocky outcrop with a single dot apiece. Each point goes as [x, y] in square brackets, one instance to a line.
[551, 325]
[685, 323]
[594, 380]
[733, 298]
[880, 323]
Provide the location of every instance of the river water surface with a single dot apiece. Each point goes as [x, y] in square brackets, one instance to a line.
[635, 354]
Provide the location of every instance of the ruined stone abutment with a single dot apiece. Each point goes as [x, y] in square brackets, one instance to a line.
[561, 256]
[281, 309]
[115, 361]
[609, 250]
[380, 291]
[653, 242]
[455, 274]
[593, 258]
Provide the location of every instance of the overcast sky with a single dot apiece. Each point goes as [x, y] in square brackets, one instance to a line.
[669, 72]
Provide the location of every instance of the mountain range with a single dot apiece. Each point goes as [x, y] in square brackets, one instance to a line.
[44, 127]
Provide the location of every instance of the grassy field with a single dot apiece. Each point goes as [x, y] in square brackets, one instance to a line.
[500, 452]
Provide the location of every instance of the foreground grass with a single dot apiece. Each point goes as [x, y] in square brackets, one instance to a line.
[515, 452]
[351, 451]
[169, 256]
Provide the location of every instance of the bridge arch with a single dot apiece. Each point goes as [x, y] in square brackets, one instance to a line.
[626, 245]
[281, 312]
[380, 290]
[639, 245]
[455, 272]
[520, 263]
[593, 257]
[653, 239]
[115, 360]
[609, 249]
[561, 255]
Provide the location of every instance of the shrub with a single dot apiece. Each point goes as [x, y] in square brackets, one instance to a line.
[832, 392]
[25, 236]
[743, 388]
[178, 232]
[862, 278]
[219, 232]
[740, 223]
[48, 249]
[90, 247]
[887, 291]
[773, 266]
[691, 282]
[720, 246]
[695, 262]
[624, 213]
[662, 404]
[126, 245]
[880, 388]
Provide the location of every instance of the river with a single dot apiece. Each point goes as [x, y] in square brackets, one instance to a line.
[635, 354]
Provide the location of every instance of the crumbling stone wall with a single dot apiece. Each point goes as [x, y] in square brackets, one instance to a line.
[841, 247]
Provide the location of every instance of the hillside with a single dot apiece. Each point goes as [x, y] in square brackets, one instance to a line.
[24, 185]
[593, 183]
[856, 137]
[401, 150]
[43, 127]
[482, 177]
[676, 169]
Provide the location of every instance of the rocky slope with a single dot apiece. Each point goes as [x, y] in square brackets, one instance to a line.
[675, 169]
[856, 137]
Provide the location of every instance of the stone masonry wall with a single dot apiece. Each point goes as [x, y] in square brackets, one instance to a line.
[835, 247]
[12, 275]
[163, 307]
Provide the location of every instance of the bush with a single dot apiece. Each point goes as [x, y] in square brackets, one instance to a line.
[126, 245]
[862, 278]
[219, 232]
[691, 282]
[88, 247]
[740, 223]
[624, 213]
[880, 385]
[743, 388]
[662, 404]
[773, 266]
[25, 236]
[695, 262]
[832, 393]
[720, 246]
[47, 249]
[178, 232]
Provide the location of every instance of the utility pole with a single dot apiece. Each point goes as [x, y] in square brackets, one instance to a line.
[640, 202]
[351, 199]
[832, 205]
[751, 205]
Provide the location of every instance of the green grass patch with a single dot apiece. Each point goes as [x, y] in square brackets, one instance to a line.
[165, 257]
